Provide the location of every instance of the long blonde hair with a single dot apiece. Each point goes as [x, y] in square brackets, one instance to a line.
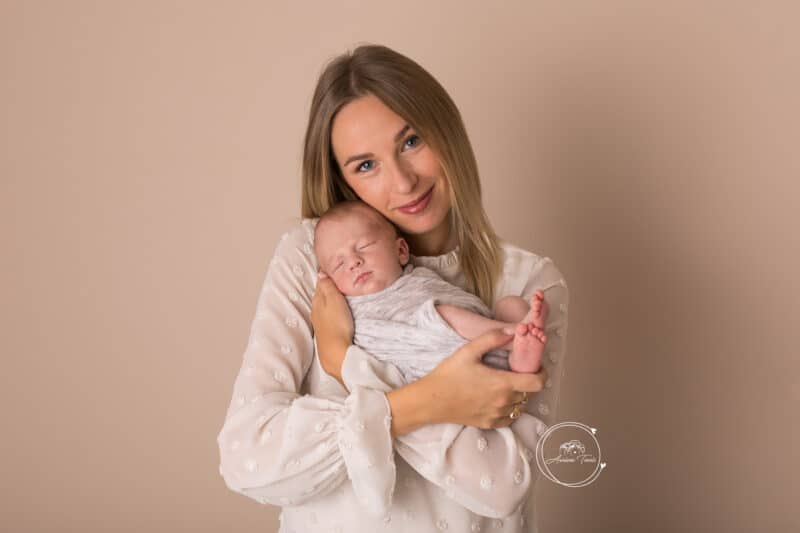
[413, 94]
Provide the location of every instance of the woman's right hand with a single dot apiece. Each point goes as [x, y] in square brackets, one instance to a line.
[333, 325]
[465, 391]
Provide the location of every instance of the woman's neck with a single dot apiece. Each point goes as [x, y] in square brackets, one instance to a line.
[436, 242]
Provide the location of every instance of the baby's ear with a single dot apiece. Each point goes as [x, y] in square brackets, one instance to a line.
[402, 251]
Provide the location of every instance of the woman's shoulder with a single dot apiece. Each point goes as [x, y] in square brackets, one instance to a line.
[301, 229]
[297, 233]
[514, 254]
[522, 267]
[294, 256]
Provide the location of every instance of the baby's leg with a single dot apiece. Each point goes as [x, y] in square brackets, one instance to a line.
[471, 325]
[526, 347]
[515, 309]
[511, 309]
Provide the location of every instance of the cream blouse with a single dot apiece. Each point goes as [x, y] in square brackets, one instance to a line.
[294, 437]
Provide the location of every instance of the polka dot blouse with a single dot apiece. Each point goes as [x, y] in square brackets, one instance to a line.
[296, 438]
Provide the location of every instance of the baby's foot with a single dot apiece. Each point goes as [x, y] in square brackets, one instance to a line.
[526, 352]
[539, 310]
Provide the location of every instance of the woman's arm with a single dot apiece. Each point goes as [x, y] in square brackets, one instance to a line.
[277, 446]
[412, 407]
[485, 470]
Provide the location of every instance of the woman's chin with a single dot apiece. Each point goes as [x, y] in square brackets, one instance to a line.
[419, 224]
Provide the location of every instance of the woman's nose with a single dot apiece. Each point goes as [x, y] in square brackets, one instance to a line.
[404, 178]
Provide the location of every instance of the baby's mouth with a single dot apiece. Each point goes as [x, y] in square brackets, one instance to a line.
[362, 277]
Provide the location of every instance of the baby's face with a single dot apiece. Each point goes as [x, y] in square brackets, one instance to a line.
[360, 256]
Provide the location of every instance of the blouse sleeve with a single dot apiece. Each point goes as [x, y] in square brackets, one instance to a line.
[486, 471]
[276, 445]
[545, 276]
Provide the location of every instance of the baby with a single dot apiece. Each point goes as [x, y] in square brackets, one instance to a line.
[407, 315]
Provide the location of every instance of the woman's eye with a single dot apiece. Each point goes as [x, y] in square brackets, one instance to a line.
[412, 141]
[363, 166]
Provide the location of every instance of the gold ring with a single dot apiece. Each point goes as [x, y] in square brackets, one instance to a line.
[524, 398]
[514, 412]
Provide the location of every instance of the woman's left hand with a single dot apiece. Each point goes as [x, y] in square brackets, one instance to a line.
[333, 326]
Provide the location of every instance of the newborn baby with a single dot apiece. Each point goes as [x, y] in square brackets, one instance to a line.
[407, 315]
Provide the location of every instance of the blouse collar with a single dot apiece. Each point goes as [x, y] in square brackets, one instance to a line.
[447, 262]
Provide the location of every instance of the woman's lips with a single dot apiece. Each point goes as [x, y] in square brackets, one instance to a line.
[419, 205]
[362, 278]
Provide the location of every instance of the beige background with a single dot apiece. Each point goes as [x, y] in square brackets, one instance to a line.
[150, 161]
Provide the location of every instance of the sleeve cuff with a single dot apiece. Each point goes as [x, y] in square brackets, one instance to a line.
[365, 442]
[360, 369]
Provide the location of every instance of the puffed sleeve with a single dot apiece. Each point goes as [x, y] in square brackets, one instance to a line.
[486, 471]
[545, 276]
[276, 445]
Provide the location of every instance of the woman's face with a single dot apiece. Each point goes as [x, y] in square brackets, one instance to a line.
[390, 167]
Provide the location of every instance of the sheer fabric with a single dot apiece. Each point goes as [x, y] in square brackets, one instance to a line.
[294, 437]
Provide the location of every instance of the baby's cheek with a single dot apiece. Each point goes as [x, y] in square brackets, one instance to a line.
[341, 284]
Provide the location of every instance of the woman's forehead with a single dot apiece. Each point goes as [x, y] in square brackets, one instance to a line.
[363, 124]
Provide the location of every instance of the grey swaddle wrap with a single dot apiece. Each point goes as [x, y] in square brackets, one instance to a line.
[400, 324]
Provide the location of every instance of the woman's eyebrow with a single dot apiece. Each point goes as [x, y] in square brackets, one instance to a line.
[356, 157]
[401, 133]
[397, 138]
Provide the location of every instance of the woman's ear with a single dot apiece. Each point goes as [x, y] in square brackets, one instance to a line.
[402, 251]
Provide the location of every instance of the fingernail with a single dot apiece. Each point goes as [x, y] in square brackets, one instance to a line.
[508, 331]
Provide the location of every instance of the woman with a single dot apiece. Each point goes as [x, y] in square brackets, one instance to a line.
[382, 130]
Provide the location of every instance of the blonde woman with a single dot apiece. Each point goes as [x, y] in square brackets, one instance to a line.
[450, 451]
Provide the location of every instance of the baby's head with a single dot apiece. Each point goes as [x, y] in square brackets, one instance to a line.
[359, 249]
